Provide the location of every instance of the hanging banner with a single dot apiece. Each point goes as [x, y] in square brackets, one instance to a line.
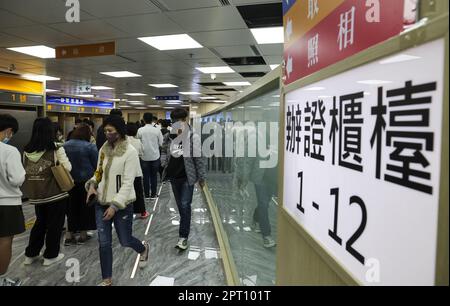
[362, 165]
[320, 33]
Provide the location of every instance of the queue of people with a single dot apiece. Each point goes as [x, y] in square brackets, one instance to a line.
[113, 175]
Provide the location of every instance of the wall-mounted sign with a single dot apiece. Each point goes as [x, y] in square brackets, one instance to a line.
[22, 99]
[79, 102]
[83, 89]
[108, 48]
[362, 165]
[320, 33]
[59, 108]
[167, 98]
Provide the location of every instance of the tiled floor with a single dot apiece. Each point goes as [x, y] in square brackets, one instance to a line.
[200, 265]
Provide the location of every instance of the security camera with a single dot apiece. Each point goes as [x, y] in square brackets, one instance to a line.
[213, 76]
[12, 67]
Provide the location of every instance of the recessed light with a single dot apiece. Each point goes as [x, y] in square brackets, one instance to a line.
[237, 83]
[399, 58]
[173, 103]
[121, 74]
[40, 78]
[51, 90]
[272, 35]
[101, 88]
[219, 101]
[374, 82]
[219, 69]
[135, 94]
[38, 51]
[163, 85]
[314, 88]
[171, 42]
[273, 67]
[189, 93]
[208, 98]
[85, 96]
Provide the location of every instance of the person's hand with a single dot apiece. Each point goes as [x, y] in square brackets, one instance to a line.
[202, 184]
[109, 214]
[91, 191]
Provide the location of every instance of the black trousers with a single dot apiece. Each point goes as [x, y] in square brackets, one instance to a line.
[139, 204]
[47, 229]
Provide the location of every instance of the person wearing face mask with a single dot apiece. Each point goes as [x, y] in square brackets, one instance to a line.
[12, 176]
[185, 167]
[113, 185]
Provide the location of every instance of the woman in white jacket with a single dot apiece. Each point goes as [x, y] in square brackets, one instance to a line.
[113, 184]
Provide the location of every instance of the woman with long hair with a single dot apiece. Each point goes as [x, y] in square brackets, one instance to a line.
[43, 191]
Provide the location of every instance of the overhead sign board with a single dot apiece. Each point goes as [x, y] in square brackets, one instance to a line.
[22, 99]
[362, 165]
[71, 101]
[167, 98]
[320, 33]
[77, 51]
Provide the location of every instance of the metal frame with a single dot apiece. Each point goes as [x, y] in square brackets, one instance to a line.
[434, 28]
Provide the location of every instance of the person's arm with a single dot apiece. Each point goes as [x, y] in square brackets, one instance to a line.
[160, 138]
[93, 155]
[141, 149]
[14, 169]
[132, 162]
[63, 159]
[199, 160]
[139, 134]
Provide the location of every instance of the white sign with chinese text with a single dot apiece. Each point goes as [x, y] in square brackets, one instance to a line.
[362, 165]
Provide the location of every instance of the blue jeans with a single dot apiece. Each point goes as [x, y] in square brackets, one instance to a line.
[123, 222]
[150, 170]
[183, 196]
[261, 214]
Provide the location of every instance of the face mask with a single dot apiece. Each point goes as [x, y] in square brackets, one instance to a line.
[112, 137]
[7, 139]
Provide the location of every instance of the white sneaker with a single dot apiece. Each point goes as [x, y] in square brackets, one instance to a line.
[30, 260]
[182, 244]
[7, 282]
[48, 262]
[269, 242]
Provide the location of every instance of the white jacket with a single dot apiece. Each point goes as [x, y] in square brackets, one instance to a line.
[120, 168]
[12, 176]
[137, 144]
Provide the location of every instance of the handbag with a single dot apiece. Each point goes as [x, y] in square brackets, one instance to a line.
[62, 176]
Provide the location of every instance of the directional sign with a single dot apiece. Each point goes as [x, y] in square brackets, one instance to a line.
[166, 98]
[101, 49]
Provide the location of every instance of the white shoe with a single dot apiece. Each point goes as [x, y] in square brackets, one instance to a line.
[48, 262]
[269, 242]
[30, 260]
[182, 244]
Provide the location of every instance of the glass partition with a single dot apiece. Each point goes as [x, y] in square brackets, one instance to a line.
[243, 181]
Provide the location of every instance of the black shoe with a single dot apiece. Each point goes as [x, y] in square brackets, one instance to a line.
[71, 241]
[153, 197]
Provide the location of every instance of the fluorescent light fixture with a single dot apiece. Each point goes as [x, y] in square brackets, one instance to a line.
[168, 107]
[38, 51]
[173, 103]
[40, 78]
[135, 94]
[124, 106]
[219, 101]
[51, 90]
[219, 69]
[163, 85]
[177, 101]
[171, 42]
[237, 83]
[194, 107]
[85, 96]
[101, 88]
[399, 58]
[374, 82]
[136, 102]
[121, 74]
[272, 35]
[208, 98]
[189, 93]
[140, 108]
[118, 100]
[314, 88]
[152, 105]
[273, 67]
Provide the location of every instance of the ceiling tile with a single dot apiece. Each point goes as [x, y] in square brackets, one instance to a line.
[7, 41]
[43, 35]
[175, 5]
[146, 25]
[11, 20]
[224, 38]
[93, 30]
[235, 51]
[271, 49]
[114, 8]
[209, 19]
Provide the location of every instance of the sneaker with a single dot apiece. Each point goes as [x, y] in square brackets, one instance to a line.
[269, 242]
[30, 260]
[7, 282]
[71, 241]
[256, 227]
[143, 259]
[182, 244]
[105, 284]
[144, 215]
[153, 197]
[48, 262]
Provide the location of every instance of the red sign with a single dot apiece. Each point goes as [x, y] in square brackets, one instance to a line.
[108, 48]
[352, 27]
